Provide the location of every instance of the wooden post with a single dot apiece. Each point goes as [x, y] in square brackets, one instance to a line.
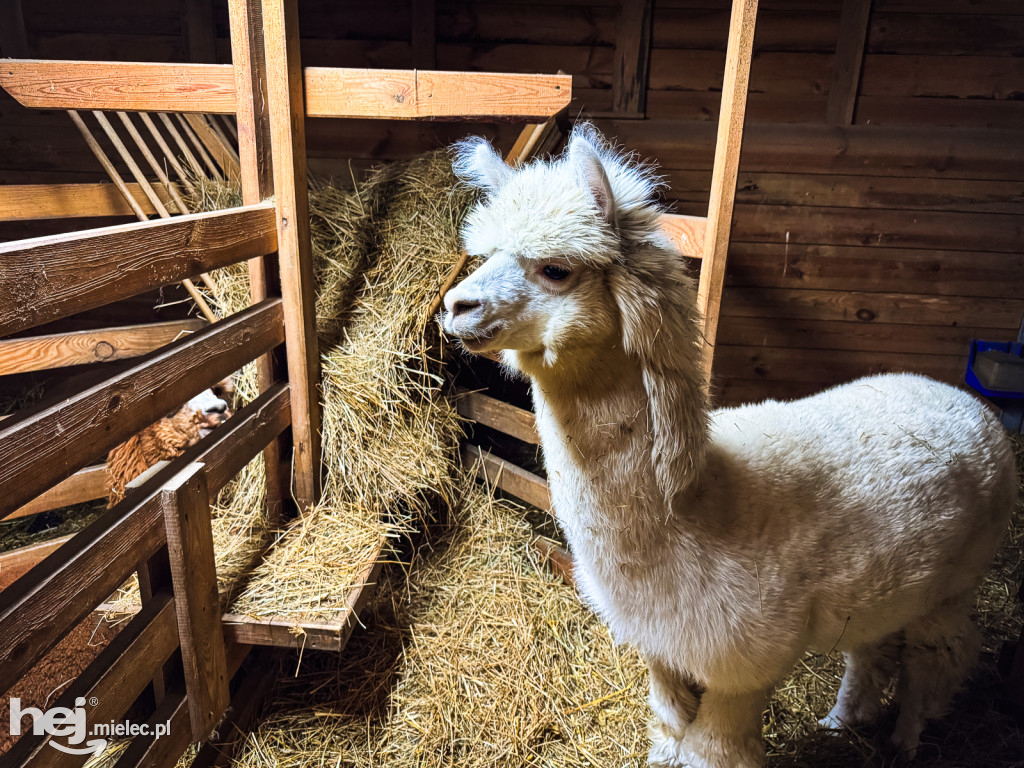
[854, 20]
[726, 168]
[632, 57]
[286, 111]
[186, 508]
[257, 181]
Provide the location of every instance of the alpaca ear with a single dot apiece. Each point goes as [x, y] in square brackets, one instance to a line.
[477, 164]
[586, 162]
[670, 362]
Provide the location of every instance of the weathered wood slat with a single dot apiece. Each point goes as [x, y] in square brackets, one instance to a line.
[507, 476]
[112, 681]
[85, 485]
[185, 502]
[419, 95]
[330, 91]
[854, 22]
[89, 425]
[24, 558]
[866, 268]
[869, 307]
[59, 350]
[29, 202]
[687, 233]
[499, 415]
[44, 604]
[51, 277]
[632, 54]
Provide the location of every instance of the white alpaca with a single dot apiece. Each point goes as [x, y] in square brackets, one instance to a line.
[725, 544]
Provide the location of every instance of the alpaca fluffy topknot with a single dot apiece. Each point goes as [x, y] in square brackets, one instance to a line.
[540, 211]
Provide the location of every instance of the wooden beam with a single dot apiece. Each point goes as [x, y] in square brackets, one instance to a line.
[44, 278]
[497, 414]
[24, 558]
[257, 182]
[185, 502]
[854, 22]
[85, 485]
[426, 95]
[726, 168]
[59, 350]
[330, 91]
[40, 447]
[687, 233]
[44, 604]
[295, 258]
[632, 57]
[508, 477]
[31, 202]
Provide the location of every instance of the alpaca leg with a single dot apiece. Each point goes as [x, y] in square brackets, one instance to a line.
[725, 734]
[940, 651]
[674, 699]
[868, 670]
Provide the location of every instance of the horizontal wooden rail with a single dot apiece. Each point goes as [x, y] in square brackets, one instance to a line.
[685, 232]
[424, 95]
[330, 91]
[42, 446]
[497, 414]
[110, 85]
[46, 278]
[32, 202]
[114, 679]
[44, 604]
[86, 484]
[26, 557]
[508, 477]
[59, 350]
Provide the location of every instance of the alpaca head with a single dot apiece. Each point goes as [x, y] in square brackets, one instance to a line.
[575, 263]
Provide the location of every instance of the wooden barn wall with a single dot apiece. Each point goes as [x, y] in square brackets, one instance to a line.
[882, 245]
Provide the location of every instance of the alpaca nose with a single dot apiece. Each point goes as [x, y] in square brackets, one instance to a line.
[464, 306]
[218, 406]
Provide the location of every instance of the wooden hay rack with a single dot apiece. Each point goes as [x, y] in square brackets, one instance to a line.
[175, 658]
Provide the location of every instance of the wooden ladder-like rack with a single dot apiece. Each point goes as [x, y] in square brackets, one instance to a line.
[179, 647]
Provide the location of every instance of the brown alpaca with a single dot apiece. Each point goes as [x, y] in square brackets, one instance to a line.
[166, 438]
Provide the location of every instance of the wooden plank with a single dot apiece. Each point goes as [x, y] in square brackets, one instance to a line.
[124, 86]
[632, 56]
[185, 503]
[24, 558]
[257, 183]
[44, 278]
[687, 233]
[111, 682]
[499, 415]
[59, 350]
[85, 485]
[870, 307]
[107, 413]
[854, 22]
[39, 608]
[867, 268]
[507, 476]
[557, 557]
[28, 202]
[291, 192]
[330, 92]
[287, 633]
[846, 191]
[429, 95]
[832, 365]
[725, 170]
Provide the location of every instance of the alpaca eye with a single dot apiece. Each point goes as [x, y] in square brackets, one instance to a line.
[554, 272]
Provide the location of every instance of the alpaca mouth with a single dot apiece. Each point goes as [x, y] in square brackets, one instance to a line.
[479, 342]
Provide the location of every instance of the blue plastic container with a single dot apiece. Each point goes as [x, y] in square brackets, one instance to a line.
[1010, 402]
